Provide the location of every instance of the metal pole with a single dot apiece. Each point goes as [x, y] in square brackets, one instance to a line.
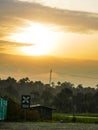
[50, 76]
[25, 115]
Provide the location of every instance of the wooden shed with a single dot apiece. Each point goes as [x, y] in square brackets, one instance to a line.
[44, 111]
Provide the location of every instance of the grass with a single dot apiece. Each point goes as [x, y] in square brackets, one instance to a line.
[79, 118]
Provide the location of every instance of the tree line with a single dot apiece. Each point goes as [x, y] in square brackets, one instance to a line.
[64, 97]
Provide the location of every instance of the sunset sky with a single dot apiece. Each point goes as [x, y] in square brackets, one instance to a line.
[60, 29]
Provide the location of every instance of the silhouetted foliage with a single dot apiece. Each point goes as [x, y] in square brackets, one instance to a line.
[64, 97]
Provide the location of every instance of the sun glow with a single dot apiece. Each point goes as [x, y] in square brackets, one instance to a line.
[40, 36]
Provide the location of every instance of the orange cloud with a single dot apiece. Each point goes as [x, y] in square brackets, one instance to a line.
[73, 21]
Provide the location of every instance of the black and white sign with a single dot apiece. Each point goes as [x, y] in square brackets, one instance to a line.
[25, 101]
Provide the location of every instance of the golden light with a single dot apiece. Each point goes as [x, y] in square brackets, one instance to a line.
[40, 36]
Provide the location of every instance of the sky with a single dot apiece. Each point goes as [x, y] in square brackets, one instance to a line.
[64, 29]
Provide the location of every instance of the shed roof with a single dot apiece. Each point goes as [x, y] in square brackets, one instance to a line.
[39, 105]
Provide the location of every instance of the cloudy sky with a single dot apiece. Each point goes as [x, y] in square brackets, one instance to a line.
[56, 28]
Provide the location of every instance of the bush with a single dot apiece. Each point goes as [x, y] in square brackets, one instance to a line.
[16, 113]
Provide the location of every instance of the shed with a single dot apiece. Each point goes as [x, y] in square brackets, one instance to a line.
[44, 111]
[3, 108]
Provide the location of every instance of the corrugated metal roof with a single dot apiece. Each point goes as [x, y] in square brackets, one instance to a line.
[39, 105]
[36, 105]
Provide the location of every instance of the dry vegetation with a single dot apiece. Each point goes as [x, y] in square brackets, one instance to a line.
[47, 126]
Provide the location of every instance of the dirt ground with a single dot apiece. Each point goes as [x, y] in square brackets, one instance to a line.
[46, 126]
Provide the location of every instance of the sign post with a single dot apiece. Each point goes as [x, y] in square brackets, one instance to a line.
[25, 103]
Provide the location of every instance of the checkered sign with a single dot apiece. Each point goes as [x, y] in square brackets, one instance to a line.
[25, 101]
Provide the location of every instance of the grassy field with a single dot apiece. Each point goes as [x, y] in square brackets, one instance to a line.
[79, 118]
[47, 126]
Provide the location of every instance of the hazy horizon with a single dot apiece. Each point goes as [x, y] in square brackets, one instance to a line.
[37, 68]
